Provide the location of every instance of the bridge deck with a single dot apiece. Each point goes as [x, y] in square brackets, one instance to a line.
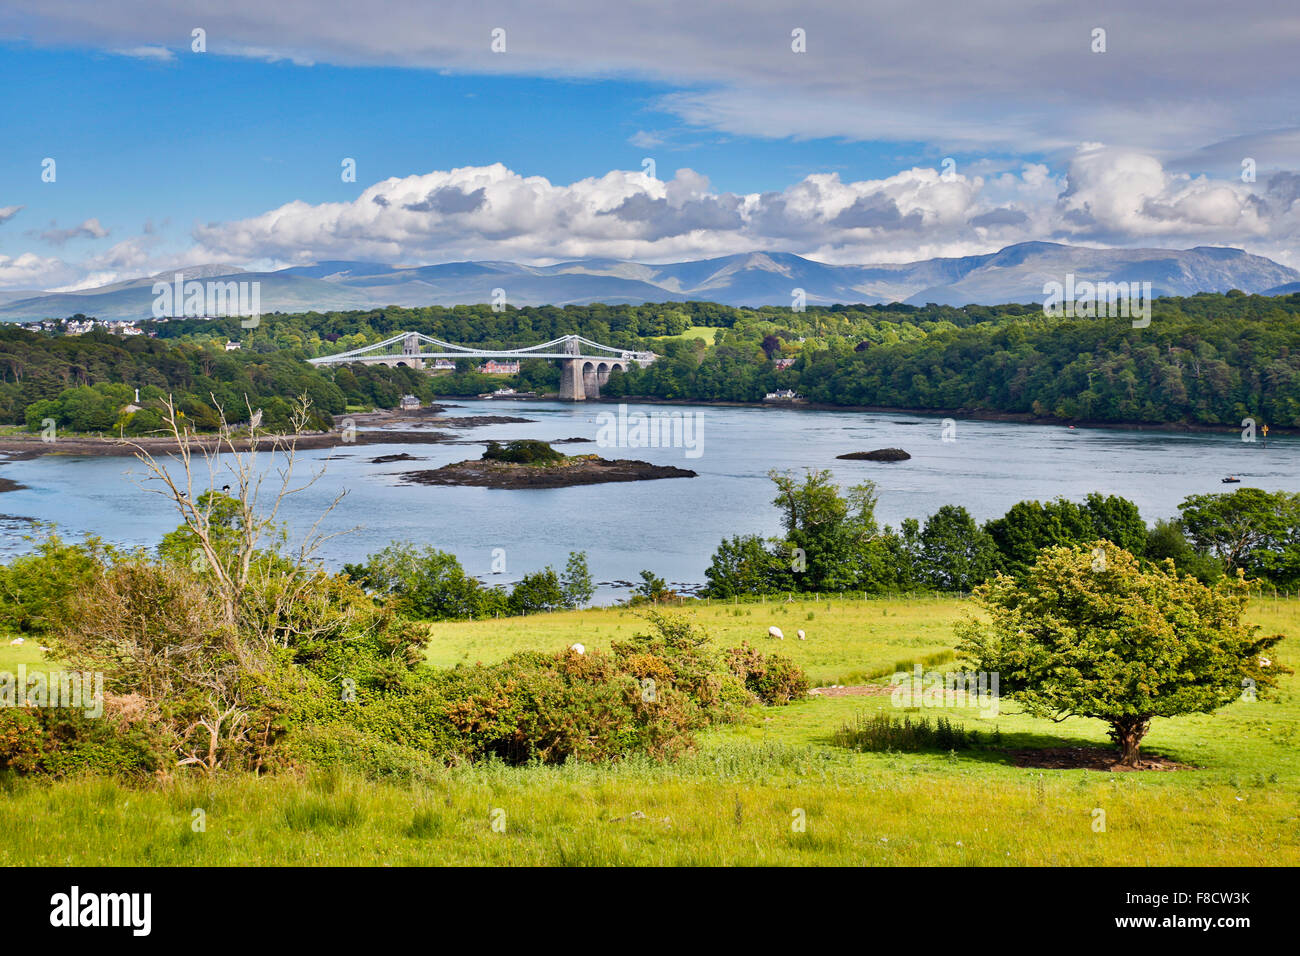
[348, 359]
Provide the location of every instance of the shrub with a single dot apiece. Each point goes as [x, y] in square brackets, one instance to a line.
[59, 742]
[773, 679]
[524, 451]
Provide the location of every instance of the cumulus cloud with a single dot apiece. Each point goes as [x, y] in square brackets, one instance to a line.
[1107, 196]
[30, 271]
[494, 212]
[1119, 195]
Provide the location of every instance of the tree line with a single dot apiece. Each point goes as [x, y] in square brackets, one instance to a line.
[833, 543]
[1209, 359]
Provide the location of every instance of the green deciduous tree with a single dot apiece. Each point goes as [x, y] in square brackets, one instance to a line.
[745, 565]
[827, 533]
[1092, 632]
[1254, 530]
[955, 554]
[422, 583]
[576, 581]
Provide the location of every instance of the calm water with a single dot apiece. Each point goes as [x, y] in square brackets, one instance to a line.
[672, 526]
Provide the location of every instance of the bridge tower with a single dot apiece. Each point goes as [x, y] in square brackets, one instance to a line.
[571, 384]
[411, 350]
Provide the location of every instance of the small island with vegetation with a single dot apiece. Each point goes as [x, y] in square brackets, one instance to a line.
[527, 463]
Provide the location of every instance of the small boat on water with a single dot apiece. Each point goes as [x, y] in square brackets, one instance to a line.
[1230, 480]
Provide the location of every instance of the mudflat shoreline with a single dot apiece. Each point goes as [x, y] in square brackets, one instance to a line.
[22, 448]
[382, 427]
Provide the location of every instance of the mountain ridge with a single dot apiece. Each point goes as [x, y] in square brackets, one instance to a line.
[1015, 273]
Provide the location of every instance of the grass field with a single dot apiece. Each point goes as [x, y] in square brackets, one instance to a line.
[706, 332]
[740, 797]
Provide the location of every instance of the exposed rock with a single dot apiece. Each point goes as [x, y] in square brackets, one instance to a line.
[880, 454]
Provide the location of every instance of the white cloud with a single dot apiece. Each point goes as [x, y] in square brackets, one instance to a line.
[1119, 194]
[158, 53]
[8, 212]
[30, 271]
[1107, 197]
[1114, 197]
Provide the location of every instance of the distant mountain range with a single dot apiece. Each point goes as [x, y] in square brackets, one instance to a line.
[1014, 274]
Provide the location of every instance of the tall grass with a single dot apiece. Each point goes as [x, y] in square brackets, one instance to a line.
[881, 732]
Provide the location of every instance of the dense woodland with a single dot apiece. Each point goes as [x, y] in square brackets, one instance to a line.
[85, 382]
[1208, 359]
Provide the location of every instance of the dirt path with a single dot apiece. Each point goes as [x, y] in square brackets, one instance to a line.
[854, 690]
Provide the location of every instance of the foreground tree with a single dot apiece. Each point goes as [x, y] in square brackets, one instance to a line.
[1090, 632]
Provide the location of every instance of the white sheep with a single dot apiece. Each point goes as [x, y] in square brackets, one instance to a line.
[578, 648]
[16, 642]
[775, 631]
[800, 634]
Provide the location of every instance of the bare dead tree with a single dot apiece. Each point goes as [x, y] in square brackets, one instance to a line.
[193, 462]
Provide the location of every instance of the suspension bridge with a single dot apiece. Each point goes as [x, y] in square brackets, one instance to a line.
[584, 365]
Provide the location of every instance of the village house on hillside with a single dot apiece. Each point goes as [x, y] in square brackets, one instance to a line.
[493, 367]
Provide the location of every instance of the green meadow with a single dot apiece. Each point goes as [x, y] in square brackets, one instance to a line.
[771, 790]
[707, 333]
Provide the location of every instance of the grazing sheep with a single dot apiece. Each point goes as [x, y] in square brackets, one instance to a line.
[775, 631]
[800, 634]
[16, 642]
[578, 648]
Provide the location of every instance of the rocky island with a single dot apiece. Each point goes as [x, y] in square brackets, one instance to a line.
[535, 464]
[879, 454]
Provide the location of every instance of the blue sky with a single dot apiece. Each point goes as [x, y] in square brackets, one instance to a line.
[233, 154]
[207, 137]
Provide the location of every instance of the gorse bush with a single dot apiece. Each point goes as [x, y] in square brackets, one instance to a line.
[647, 696]
[773, 679]
[60, 742]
